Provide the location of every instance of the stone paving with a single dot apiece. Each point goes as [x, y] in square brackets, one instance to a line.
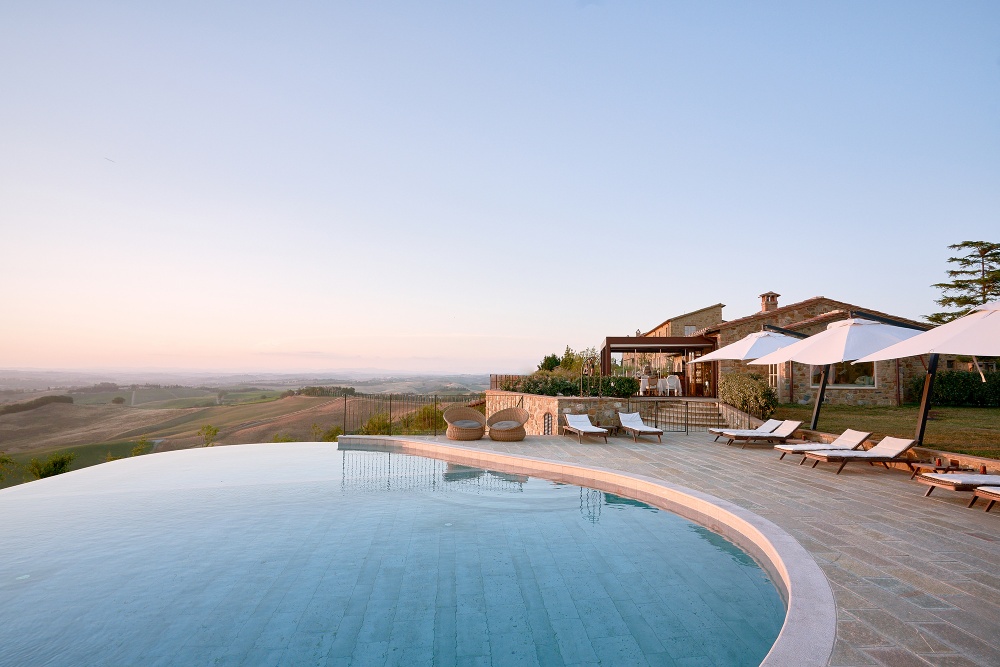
[917, 580]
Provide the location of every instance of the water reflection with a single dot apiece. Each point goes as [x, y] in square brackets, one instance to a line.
[376, 471]
[384, 471]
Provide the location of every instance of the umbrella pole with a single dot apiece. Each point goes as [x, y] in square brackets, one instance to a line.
[925, 400]
[823, 376]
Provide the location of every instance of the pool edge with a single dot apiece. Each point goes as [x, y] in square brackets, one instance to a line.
[808, 634]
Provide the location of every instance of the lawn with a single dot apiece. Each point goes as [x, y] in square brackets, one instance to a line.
[974, 431]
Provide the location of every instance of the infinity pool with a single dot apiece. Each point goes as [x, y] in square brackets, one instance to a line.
[301, 554]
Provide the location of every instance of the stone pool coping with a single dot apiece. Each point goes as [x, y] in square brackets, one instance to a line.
[808, 634]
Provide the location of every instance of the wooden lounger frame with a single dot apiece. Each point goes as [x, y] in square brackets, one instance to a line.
[636, 432]
[581, 433]
[991, 496]
[933, 483]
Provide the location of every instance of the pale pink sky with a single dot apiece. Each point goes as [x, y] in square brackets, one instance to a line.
[467, 187]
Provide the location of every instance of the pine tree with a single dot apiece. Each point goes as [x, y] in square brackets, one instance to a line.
[976, 280]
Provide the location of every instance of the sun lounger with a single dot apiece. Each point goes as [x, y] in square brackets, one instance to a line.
[956, 481]
[632, 423]
[580, 424]
[849, 439]
[778, 435]
[766, 427]
[889, 450]
[990, 493]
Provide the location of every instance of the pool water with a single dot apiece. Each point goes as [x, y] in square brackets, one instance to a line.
[301, 554]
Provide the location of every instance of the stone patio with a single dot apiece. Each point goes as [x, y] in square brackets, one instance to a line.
[917, 580]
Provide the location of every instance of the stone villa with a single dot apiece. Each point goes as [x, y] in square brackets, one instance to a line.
[670, 345]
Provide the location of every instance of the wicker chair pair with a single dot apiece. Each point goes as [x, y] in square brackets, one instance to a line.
[466, 423]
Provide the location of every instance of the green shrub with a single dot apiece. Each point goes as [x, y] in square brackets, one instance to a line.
[553, 384]
[7, 465]
[619, 387]
[282, 437]
[959, 388]
[326, 435]
[54, 465]
[749, 393]
[549, 362]
[208, 432]
[377, 424]
[425, 420]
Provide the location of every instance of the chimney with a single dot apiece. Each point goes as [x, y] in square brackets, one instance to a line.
[768, 302]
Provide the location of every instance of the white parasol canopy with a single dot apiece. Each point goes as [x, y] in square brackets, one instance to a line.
[976, 334]
[845, 340]
[750, 347]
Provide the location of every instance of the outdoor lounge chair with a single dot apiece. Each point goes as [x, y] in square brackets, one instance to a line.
[508, 425]
[956, 481]
[464, 423]
[580, 424]
[889, 450]
[766, 427]
[990, 493]
[778, 435]
[848, 440]
[632, 423]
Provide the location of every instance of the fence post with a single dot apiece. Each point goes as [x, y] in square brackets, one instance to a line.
[390, 414]
[686, 427]
[435, 415]
[345, 413]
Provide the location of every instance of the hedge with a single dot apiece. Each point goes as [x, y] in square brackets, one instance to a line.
[748, 392]
[960, 388]
[33, 403]
[548, 384]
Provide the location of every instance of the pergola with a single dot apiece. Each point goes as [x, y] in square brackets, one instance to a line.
[681, 345]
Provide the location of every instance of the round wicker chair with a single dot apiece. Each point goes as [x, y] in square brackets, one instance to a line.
[464, 423]
[508, 425]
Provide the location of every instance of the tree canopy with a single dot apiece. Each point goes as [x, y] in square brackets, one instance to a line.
[975, 280]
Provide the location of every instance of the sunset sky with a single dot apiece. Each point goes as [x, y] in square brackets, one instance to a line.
[465, 187]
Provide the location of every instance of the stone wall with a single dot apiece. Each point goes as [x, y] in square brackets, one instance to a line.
[602, 411]
[699, 319]
[795, 380]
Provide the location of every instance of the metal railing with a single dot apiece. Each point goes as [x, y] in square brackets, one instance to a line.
[401, 414]
[679, 416]
[497, 381]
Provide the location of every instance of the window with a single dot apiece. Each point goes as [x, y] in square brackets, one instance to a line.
[688, 329]
[846, 374]
[772, 376]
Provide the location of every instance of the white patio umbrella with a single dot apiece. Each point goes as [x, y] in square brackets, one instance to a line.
[845, 340]
[976, 335]
[753, 346]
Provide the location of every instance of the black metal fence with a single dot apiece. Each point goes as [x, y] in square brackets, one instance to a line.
[402, 414]
[679, 416]
[498, 381]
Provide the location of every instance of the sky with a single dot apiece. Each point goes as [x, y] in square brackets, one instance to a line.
[468, 186]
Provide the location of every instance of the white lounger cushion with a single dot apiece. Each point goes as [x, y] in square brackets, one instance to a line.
[632, 420]
[582, 423]
[766, 427]
[849, 439]
[786, 429]
[888, 448]
[960, 478]
[990, 489]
